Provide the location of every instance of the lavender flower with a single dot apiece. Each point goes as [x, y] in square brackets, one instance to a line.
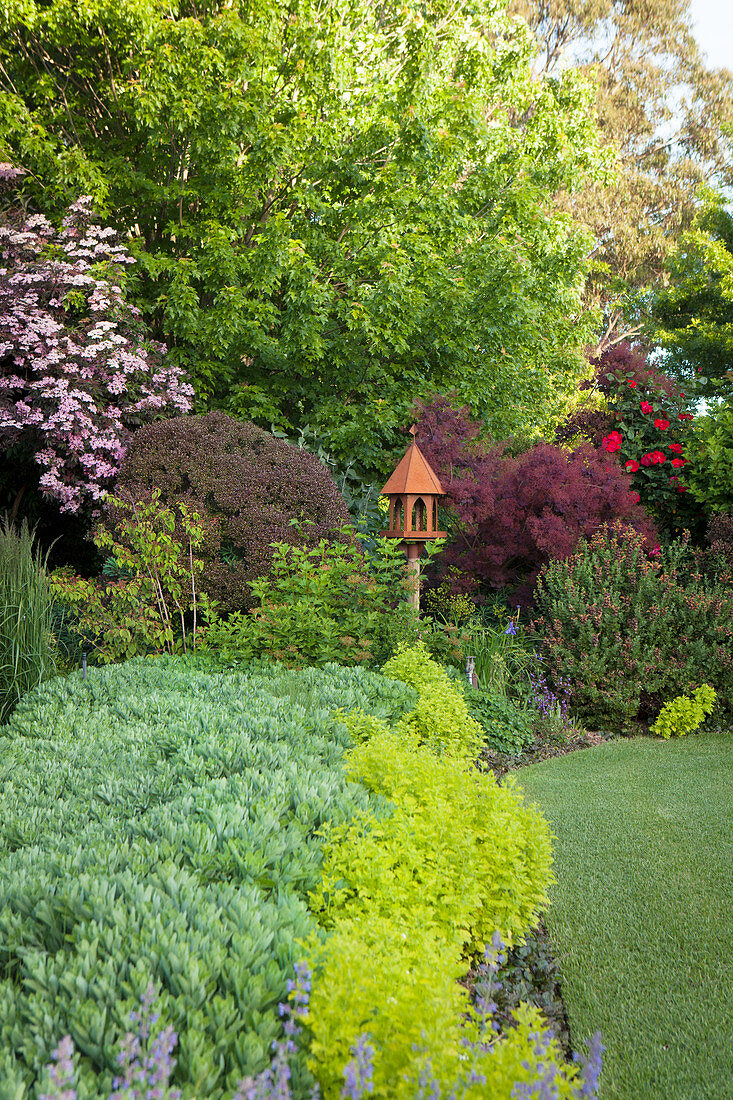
[590, 1067]
[145, 1059]
[487, 984]
[273, 1083]
[358, 1073]
[61, 1072]
[544, 1083]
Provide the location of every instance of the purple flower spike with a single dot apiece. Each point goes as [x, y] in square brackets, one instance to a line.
[590, 1068]
[358, 1073]
[61, 1072]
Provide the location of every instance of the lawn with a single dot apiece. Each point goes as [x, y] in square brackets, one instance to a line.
[642, 912]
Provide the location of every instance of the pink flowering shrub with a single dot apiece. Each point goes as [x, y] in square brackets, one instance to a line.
[77, 373]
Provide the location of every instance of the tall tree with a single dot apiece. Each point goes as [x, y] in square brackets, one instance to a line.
[666, 116]
[338, 206]
[692, 315]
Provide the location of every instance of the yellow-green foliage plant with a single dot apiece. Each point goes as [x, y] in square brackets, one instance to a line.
[441, 718]
[459, 853]
[406, 896]
[684, 714]
[399, 985]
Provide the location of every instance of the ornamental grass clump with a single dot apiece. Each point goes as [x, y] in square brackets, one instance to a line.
[27, 649]
[626, 630]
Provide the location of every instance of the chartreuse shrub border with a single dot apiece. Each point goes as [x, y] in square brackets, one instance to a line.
[642, 909]
[405, 898]
[161, 823]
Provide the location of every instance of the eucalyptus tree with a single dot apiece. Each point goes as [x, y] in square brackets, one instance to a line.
[667, 117]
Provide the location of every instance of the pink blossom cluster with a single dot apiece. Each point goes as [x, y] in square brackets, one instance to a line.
[77, 374]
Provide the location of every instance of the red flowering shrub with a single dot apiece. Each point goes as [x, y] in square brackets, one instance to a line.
[246, 485]
[515, 513]
[628, 630]
[650, 422]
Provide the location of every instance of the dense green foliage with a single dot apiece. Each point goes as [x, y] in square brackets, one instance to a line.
[507, 727]
[628, 631]
[151, 604]
[710, 447]
[161, 823]
[642, 906]
[684, 714]
[327, 603]
[27, 652]
[692, 316]
[336, 206]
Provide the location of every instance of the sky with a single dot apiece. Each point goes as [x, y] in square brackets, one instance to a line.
[713, 23]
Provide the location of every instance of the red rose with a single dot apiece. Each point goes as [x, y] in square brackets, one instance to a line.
[676, 447]
[612, 442]
[646, 460]
[681, 488]
[646, 407]
[632, 384]
[661, 424]
[658, 457]
[685, 416]
[632, 465]
[635, 497]
[678, 462]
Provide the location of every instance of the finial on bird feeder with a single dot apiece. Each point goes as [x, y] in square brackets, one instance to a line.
[413, 491]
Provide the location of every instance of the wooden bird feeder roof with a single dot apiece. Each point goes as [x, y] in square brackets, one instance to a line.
[413, 474]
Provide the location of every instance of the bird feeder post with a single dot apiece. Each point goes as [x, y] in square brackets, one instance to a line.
[413, 491]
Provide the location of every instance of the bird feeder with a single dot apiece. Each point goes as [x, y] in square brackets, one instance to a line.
[413, 491]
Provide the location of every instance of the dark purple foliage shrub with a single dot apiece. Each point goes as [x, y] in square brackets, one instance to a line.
[247, 486]
[588, 423]
[625, 361]
[77, 371]
[514, 513]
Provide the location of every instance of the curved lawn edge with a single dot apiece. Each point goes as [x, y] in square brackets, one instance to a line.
[641, 916]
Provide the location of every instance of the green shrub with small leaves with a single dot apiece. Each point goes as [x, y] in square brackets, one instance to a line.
[458, 853]
[151, 599]
[320, 604]
[507, 727]
[684, 715]
[625, 630]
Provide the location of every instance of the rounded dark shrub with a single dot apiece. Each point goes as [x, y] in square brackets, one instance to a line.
[247, 485]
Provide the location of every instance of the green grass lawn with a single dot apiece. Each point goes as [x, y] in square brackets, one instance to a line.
[642, 913]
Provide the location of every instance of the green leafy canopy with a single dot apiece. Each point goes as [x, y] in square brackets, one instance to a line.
[337, 207]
